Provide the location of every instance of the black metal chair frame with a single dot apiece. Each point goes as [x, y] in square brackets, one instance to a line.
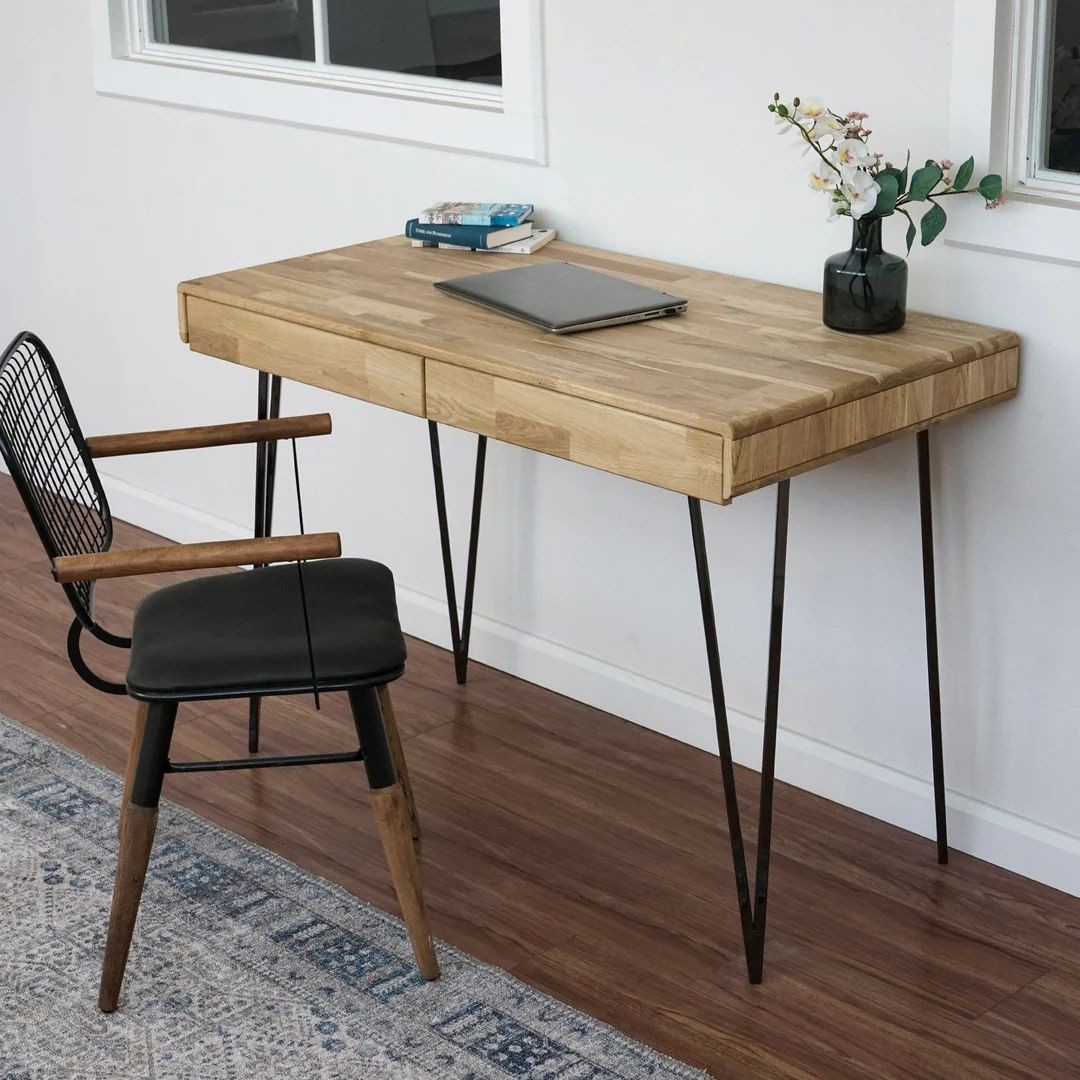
[52, 465]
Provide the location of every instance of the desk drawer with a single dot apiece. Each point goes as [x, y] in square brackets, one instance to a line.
[654, 451]
[302, 353]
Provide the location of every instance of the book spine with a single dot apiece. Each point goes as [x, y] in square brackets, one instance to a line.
[446, 247]
[471, 236]
[482, 220]
[488, 221]
[496, 221]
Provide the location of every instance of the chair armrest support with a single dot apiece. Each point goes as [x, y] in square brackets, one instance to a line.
[160, 560]
[248, 431]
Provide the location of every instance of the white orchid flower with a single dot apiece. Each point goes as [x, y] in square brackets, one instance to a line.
[838, 204]
[861, 191]
[811, 109]
[827, 127]
[823, 178]
[853, 153]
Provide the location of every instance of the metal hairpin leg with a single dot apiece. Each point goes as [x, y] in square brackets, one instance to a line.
[265, 473]
[751, 911]
[459, 632]
[922, 443]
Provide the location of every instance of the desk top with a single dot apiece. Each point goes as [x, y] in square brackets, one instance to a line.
[745, 388]
[746, 356]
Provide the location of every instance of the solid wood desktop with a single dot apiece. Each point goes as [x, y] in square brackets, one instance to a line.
[748, 388]
[745, 388]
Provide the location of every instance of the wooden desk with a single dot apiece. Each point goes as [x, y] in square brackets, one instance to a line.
[748, 388]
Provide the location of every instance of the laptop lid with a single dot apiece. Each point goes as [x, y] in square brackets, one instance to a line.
[562, 297]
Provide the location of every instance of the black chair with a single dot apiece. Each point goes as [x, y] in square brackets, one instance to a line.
[327, 625]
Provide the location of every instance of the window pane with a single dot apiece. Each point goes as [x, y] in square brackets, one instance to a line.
[453, 39]
[263, 27]
[1063, 145]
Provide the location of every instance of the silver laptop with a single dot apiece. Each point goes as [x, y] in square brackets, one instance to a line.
[564, 298]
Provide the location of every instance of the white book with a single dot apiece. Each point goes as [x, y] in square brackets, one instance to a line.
[539, 238]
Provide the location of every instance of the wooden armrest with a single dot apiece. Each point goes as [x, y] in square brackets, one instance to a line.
[248, 431]
[160, 560]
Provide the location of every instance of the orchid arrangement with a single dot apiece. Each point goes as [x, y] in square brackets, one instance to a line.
[861, 184]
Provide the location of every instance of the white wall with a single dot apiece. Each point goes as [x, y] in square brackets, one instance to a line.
[659, 144]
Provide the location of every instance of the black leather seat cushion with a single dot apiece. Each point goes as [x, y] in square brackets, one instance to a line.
[231, 635]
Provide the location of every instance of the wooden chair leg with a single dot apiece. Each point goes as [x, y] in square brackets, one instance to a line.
[138, 825]
[398, 752]
[392, 820]
[132, 761]
[136, 840]
[390, 806]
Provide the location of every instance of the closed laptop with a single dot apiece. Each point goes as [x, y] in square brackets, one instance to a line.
[564, 298]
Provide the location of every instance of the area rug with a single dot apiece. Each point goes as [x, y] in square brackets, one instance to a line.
[244, 966]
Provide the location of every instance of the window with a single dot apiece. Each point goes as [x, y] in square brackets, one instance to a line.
[463, 74]
[1013, 103]
[448, 39]
[1062, 112]
[1044, 140]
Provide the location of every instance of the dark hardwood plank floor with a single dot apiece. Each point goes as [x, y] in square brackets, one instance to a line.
[588, 856]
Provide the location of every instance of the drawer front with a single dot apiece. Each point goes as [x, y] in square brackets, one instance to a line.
[628, 444]
[344, 365]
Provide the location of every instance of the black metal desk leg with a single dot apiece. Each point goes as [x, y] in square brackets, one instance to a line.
[751, 911]
[265, 472]
[459, 631]
[271, 458]
[922, 442]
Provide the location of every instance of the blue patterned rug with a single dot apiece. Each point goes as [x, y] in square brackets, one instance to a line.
[244, 966]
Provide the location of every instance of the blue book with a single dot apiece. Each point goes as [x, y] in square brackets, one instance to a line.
[483, 237]
[464, 213]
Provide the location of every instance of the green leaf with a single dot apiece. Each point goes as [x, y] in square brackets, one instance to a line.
[990, 187]
[904, 174]
[933, 221]
[924, 181]
[890, 190]
[910, 229]
[963, 174]
[894, 172]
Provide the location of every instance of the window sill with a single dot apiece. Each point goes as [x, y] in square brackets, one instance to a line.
[506, 126]
[1026, 226]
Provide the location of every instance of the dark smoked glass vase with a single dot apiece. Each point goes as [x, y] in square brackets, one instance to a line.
[865, 290]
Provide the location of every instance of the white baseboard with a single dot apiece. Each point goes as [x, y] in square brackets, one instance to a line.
[978, 828]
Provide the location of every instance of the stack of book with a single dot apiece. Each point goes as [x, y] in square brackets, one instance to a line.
[506, 228]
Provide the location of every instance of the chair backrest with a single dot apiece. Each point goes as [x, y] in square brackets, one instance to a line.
[45, 451]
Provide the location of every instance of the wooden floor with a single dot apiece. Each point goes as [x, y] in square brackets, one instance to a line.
[589, 857]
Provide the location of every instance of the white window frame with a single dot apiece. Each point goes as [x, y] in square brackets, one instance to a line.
[502, 121]
[997, 114]
[1031, 69]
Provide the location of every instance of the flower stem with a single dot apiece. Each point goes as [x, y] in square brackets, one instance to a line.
[906, 198]
[810, 142]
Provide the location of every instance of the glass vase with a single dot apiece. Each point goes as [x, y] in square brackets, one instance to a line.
[865, 290]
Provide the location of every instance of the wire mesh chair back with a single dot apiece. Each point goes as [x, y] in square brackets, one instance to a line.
[45, 451]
